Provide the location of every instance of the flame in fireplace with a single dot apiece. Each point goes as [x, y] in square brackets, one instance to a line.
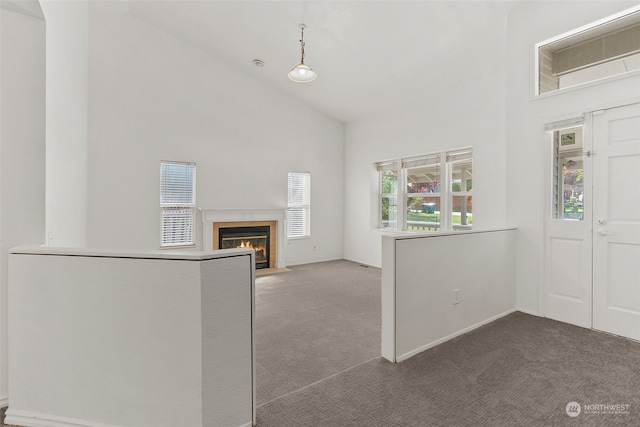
[261, 251]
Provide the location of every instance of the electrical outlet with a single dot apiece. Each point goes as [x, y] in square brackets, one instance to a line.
[456, 296]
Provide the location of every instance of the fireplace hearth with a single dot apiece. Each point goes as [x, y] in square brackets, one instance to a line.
[255, 237]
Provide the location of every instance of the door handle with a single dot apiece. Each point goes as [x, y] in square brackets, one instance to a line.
[604, 233]
[601, 221]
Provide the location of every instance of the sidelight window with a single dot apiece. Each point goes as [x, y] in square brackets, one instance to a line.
[568, 174]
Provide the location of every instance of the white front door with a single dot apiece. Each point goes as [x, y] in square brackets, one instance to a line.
[616, 221]
[568, 226]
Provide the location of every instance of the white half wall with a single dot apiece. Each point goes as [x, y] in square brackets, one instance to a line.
[438, 286]
[154, 97]
[531, 22]
[131, 339]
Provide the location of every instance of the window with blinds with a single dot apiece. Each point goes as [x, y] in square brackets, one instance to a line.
[298, 205]
[177, 203]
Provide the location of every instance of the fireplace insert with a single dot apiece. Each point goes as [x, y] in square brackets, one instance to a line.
[256, 237]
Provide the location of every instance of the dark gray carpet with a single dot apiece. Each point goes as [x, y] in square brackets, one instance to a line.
[520, 370]
[313, 322]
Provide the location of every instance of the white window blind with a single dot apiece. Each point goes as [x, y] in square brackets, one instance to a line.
[429, 160]
[177, 202]
[298, 206]
[459, 156]
[385, 166]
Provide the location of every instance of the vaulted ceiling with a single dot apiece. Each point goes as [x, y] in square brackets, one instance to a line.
[370, 56]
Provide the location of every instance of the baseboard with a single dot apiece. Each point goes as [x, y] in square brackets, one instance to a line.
[4, 401]
[33, 419]
[530, 312]
[451, 336]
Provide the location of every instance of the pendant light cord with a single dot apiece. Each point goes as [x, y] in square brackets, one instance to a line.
[302, 44]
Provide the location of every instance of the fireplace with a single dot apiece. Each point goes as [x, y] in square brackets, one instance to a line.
[254, 237]
[215, 219]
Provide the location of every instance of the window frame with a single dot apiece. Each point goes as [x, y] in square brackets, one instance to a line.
[304, 205]
[443, 161]
[164, 206]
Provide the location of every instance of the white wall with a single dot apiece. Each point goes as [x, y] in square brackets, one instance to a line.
[22, 148]
[530, 23]
[466, 108]
[153, 97]
[67, 100]
[131, 339]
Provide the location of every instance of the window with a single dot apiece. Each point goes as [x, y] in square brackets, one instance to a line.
[568, 174]
[460, 164]
[423, 192]
[436, 190]
[177, 203]
[298, 206]
[603, 49]
[389, 194]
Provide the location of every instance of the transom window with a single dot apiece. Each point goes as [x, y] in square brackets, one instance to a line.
[603, 49]
[435, 190]
[177, 203]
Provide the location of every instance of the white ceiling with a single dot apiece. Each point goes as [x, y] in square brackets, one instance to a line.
[370, 56]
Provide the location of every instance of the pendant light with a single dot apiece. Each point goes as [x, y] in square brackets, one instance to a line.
[302, 73]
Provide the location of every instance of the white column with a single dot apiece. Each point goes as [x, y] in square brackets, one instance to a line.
[67, 24]
[22, 146]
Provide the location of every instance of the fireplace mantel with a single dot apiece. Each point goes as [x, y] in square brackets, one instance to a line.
[210, 216]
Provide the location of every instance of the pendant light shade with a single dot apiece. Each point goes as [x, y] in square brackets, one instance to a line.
[302, 73]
